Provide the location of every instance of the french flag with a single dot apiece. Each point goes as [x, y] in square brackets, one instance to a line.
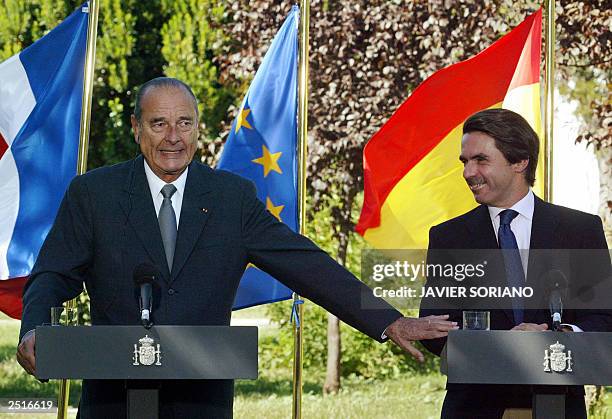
[40, 109]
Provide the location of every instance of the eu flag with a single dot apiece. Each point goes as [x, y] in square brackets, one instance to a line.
[262, 147]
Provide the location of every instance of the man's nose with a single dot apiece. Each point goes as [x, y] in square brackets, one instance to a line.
[469, 170]
[172, 135]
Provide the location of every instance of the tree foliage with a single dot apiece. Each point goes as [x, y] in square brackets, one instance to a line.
[192, 37]
[585, 62]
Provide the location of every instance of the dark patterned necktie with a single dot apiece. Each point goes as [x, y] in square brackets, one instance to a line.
[512, 260]
[167, 223]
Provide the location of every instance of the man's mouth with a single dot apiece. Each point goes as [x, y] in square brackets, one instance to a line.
[475, 186]
[171, 152]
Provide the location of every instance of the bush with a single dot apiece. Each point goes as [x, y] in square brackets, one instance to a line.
[362, 357]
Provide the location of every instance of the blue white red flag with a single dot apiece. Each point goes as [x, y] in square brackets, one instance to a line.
[262, 146]
[40, 109]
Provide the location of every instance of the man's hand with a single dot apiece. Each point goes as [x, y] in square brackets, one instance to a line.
[531, 327]
[405, 330]
[26, 353]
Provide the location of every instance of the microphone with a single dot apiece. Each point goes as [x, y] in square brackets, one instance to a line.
[555, 282]
[144, 277]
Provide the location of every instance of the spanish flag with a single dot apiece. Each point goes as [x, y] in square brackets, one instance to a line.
[413, 177]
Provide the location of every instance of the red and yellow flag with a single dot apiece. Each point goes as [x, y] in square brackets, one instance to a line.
[412, 177]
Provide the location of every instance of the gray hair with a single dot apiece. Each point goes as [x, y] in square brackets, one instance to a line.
[161, 82]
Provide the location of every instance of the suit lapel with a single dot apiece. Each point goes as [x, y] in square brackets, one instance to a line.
[480, 228]
[543, 225]
[197, 206]
[138, 206]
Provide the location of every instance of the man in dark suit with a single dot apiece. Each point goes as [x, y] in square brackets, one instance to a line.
[499, 151]
[199, 228]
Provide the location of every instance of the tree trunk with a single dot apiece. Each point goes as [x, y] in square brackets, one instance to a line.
[332, 378]
[334, 347]
[604, 161]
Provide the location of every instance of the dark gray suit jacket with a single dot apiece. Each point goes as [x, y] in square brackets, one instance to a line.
[107, 225]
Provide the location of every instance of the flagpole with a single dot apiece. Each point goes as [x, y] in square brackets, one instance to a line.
[90, 63]
[549, 105]
[298, 349]
[88, 78]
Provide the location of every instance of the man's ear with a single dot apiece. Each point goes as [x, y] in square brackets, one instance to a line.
[521, 166]
[135, 128]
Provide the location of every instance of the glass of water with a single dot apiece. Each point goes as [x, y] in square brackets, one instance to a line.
[476, 320]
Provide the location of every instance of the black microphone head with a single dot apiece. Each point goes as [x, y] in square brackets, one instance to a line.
[144, 273]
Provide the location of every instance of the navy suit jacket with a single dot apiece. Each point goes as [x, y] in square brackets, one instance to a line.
[107, 225]
[553, 227]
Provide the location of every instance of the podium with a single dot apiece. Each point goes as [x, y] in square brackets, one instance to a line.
[538, 359]
[136, 353]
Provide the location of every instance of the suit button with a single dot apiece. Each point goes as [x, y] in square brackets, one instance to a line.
[171, 291]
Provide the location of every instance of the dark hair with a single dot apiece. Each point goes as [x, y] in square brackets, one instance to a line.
[513, 136]
[161, 82]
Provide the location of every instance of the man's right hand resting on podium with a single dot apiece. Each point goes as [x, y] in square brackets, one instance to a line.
[26, 352]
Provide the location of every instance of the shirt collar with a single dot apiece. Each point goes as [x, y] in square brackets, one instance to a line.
[156, 184]
[524, 207]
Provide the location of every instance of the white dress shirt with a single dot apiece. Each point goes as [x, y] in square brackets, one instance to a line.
[156, 185]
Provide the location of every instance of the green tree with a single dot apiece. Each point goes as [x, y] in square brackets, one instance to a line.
[23, 21]
[192, 37]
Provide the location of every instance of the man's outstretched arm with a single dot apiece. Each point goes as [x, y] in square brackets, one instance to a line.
[309, 271]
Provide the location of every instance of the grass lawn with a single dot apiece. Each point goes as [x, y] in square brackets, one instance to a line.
[270, 396]
[415, 398]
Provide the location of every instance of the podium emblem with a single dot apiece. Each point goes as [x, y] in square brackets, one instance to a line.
[146, 354]
[557, 360]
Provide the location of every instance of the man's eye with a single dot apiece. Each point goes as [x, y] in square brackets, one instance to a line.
[185, 125]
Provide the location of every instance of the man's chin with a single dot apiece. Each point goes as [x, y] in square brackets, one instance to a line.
[480, 199]
[171, 171]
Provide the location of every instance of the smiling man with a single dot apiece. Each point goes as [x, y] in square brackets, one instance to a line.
[200, 228]
[499, 152]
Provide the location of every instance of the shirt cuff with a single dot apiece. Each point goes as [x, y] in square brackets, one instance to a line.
[31, 330]
[574, 327]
